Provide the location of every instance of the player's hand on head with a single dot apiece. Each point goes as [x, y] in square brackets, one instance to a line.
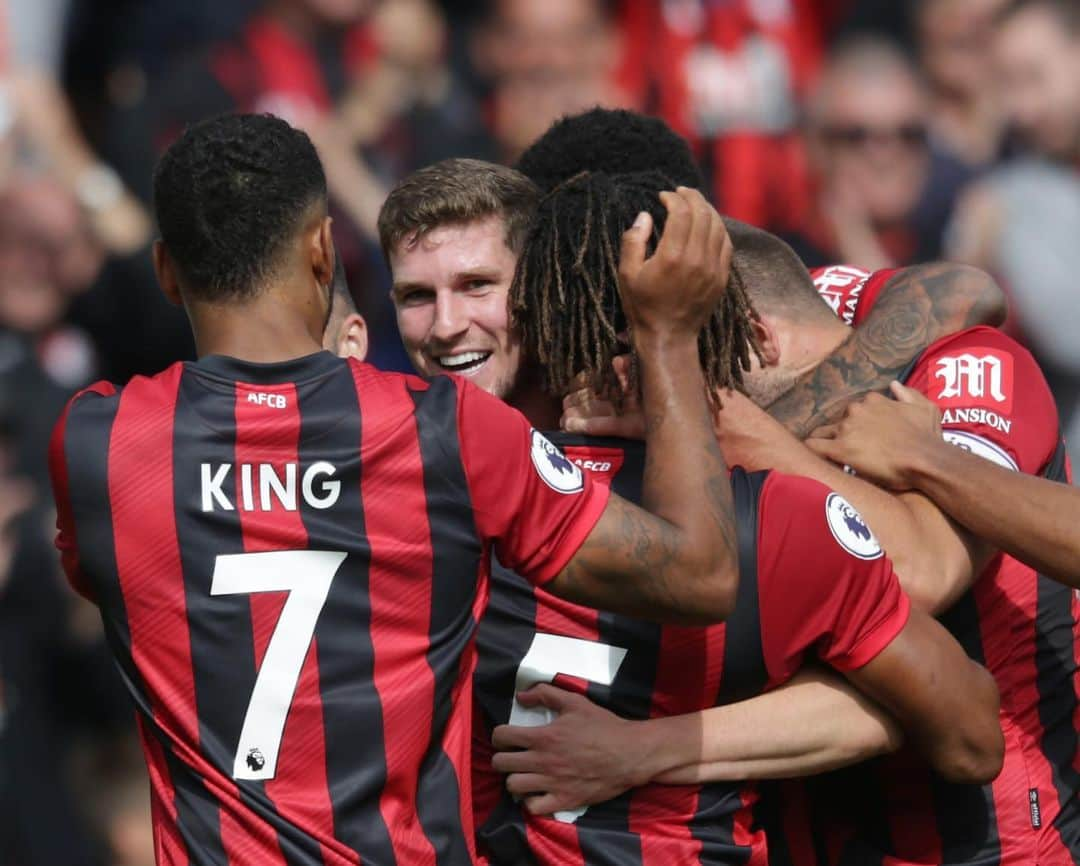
[677, 288]
[881, 438]
[586, 412]
[587, 755]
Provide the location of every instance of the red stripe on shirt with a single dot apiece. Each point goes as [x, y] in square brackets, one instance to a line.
[559, 843]
[681, 660]
[141, 491]
[399, 589]
[169, 848]
[270, 435]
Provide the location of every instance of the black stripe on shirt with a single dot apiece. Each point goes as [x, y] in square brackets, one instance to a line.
[331, 430]
[456, 551]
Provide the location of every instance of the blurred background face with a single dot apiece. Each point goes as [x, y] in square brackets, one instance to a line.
[868, 140]
[552, 39]
[46, 255]
[1038, 63]
[953, 36]
[546, 58]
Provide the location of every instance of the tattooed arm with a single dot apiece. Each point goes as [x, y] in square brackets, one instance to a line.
[676, 558]
[917, 306]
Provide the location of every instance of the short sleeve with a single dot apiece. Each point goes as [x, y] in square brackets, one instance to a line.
[534, 504]
[994, 399]
[825, 585]
[58, 473]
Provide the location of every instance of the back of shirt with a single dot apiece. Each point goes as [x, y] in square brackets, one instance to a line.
[290, 560]
[841, 603]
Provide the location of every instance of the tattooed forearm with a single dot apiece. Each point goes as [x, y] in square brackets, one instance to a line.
[918, 306]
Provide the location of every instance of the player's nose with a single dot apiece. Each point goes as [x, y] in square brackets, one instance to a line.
[451, 318]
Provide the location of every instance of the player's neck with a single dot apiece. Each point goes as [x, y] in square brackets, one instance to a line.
[260, 331]
[811, 344]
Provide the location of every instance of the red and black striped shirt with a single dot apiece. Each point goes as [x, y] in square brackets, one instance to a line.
[290, 560]
[841, 603]
[1023, 626]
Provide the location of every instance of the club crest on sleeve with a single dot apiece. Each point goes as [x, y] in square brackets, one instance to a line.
[556, 471]
[849, 529]
[980, 447]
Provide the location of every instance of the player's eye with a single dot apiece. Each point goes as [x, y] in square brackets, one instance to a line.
[478, 284]
[416, 298]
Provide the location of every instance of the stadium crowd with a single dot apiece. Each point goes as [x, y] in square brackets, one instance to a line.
[874, 133]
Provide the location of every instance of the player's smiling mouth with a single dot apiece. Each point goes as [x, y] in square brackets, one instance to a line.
[463, 363]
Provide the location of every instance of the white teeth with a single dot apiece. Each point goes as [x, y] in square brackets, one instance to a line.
[462, 359]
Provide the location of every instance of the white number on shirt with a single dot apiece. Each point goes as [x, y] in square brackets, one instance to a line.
[550, 655]
[306, 575]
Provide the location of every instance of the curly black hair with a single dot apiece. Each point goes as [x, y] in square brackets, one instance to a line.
[565, 299]
[228, 196]
[613, 141]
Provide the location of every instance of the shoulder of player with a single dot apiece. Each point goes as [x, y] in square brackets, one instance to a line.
[1029, 377]
[995, 399]
[73, 424]
[101, 390]
[368, 376]
[795, 513]
[979, 336]
[782, 493]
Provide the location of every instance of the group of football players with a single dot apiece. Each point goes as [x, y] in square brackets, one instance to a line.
[641, 568]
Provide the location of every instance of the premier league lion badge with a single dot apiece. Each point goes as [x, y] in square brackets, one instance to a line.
[557, 472]
[849, 529]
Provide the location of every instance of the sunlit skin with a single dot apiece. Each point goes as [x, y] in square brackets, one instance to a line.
[450, 292]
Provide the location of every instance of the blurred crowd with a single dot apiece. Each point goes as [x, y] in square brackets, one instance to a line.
[869, 132]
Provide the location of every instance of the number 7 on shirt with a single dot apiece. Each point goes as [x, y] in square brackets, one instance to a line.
[306, 575]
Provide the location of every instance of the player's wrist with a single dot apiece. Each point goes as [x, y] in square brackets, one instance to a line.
[662, 747]
[927, 465]
[665, 347]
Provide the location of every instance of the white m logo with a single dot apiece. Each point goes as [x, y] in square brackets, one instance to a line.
[970, 376]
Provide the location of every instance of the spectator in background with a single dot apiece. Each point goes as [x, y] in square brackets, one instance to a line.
[406, 107]
[47, 258]
[866, 134]
[543, 59]
[953, 42]
[1022, 222]
[730, 76]
[292, 58]
[56, 683]
[370, 84]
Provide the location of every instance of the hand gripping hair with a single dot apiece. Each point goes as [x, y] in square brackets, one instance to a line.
[565, 299]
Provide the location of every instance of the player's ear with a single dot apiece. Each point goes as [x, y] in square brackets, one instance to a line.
[165, 269]
[767, 339]
[322, 252]
[352, 339]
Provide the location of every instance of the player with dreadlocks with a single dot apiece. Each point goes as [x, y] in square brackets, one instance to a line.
[580, 332]
[887, 810]
[450, 272]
